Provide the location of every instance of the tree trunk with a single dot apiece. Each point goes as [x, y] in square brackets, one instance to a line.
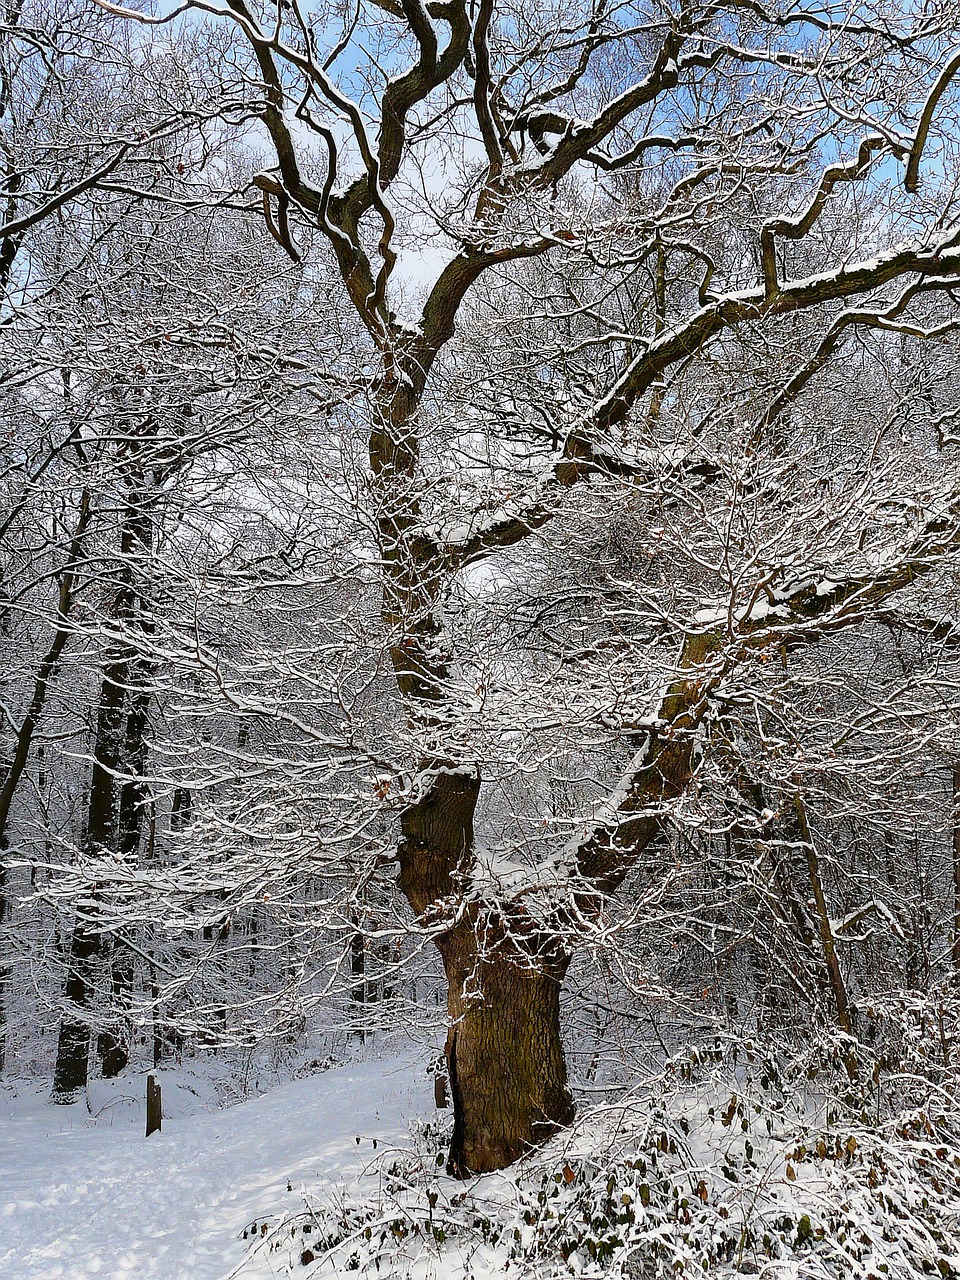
[113, 1042]
[358, 975]
[70, 1069]
[508, 1076]
[831, 959]
[46, 673]
[114, 817]
[505, 1063]
[113, 1049]
[73, 1042]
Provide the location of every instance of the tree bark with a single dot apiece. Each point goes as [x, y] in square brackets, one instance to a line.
[73, 1041]
[114, 817]
[505, 1061]
[70, 1068]
[113, 1042]
[831, 959]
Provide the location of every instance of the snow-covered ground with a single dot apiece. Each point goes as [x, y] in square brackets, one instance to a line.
[86, 1195]
[341, 1173]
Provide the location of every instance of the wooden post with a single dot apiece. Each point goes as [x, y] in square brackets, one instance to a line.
[154, 1109]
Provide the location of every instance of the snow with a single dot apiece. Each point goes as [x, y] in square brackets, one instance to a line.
[86, 1195]
[497, 870]
[775, 605]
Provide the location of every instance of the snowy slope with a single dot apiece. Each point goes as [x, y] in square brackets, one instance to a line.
[85, 1197]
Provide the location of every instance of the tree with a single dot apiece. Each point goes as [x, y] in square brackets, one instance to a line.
[689, 213]
[584, 555]
[138, 371]
[65, 142]
[83, 110]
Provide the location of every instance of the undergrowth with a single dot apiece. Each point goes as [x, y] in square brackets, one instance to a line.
[750, 1160]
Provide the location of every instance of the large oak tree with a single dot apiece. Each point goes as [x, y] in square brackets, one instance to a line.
[643, 232]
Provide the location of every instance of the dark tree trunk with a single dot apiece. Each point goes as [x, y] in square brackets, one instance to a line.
[113, 1049]
[180, 809]
[358, 976]
[73, 1042]
[508, 1077]
[46, 673]
[504, 1051]
[505, 1061]
[114, 817]
[113, 1043]
[73, 1045]
[358, 965]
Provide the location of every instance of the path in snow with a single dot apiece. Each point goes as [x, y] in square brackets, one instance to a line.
[80, 1199]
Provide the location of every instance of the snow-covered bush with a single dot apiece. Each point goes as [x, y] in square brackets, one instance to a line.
[754, 1162]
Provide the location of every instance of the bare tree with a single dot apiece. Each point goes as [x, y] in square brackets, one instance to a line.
[698, 178]
[568, 544]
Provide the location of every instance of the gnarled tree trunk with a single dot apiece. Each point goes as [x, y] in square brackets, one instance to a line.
[508, 1076]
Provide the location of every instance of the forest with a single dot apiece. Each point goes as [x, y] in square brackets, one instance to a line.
[480, 579]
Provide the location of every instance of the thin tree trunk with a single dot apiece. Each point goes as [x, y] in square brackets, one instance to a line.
[834, 973]
[114, 816]
[113, 1044]
[956, 867]
[73, 1043]
[28, 726]
[358, 974]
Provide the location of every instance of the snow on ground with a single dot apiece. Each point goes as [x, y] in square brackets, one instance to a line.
[85, 1196]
